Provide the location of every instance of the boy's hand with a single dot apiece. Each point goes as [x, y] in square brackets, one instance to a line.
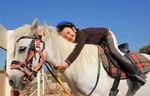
[61, 67]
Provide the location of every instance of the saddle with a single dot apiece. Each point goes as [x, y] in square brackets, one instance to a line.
[111, 64]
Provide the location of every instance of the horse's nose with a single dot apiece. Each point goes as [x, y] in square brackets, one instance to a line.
[15, 62]
[11, 83]
[15, 78]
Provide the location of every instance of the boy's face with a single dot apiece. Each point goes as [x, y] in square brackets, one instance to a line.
[68, 33]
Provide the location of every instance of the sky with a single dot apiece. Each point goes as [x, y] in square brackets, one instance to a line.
[128, 19]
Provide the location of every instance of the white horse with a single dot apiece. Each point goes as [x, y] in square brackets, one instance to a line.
[81, 75]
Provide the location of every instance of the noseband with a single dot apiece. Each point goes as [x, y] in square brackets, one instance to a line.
[33, 49]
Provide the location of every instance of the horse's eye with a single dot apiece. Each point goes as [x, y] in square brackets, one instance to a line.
[22, 48]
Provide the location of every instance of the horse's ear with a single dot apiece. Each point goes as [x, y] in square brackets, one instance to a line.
[35, 25]
[44, 28]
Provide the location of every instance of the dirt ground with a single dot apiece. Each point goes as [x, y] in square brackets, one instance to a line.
[55, 90]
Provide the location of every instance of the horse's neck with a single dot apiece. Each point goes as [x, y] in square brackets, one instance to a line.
[87, 59]
[57, 47]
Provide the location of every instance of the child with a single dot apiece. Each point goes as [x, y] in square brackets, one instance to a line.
[94, 36]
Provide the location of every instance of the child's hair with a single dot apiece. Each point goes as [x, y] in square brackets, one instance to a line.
[61, 25]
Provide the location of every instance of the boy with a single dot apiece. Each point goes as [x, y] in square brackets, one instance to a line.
[94, 36]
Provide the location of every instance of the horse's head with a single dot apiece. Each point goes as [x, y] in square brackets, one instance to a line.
[28, 56]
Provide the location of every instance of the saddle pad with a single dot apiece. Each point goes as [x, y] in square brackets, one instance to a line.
[141, 62]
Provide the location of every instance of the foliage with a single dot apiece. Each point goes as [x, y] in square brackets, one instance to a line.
[145, 49]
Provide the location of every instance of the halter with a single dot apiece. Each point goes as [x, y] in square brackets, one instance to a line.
[33, 49]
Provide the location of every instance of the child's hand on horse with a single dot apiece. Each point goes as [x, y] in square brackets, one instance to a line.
[61, 67]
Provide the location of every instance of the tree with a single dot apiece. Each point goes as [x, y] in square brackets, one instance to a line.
[145, 49]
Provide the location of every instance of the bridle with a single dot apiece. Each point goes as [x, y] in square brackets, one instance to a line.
[34, 48]
[26, 65]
